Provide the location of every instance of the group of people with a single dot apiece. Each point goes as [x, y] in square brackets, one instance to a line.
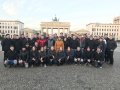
[47, 50]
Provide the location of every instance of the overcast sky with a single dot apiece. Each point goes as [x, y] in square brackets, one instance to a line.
[78, 12]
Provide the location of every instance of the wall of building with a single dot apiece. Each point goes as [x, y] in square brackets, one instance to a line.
[11, 27]
[103, 28]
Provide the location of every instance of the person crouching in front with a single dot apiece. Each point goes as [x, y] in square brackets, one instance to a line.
[78, 56]
[52, 56]
[87, 56]
[60, 57]
[43, 57]
[33, 57]
[11, 57]
[98, 58]
[69, 56]
[23, 57]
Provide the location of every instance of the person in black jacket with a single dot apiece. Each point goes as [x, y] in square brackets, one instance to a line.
[25, 40]
[90, 43]
[52, 56]
[87, 56]
[111, 46]
[16, 42]
[74, 43]
[102, 45]
[66, 43]
[23, 57]
[11, 57]
[33, 61]
[37, 46]
[98, 58]
[60, 57]
[78, 56]
[43, 57]
[33, 40]
[69, 56]
[96, 43]
[6, 43]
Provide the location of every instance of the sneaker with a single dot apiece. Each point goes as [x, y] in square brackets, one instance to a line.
[5, 65]
[32, 66]
[45, 65]
[100, 67]
[26, 65]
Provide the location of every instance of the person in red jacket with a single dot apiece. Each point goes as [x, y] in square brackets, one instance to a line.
[42, 42]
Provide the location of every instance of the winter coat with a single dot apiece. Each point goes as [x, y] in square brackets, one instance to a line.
[58, 44]
[11, 55]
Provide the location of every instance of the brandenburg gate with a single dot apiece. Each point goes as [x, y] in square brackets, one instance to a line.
[55, 27]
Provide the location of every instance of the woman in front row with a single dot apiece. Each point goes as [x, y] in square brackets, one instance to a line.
[34, 61]
[69, 56]
[43, 57]
[52, 56]
[60, 57]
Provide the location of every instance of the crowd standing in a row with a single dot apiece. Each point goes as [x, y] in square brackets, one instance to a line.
[44, 50]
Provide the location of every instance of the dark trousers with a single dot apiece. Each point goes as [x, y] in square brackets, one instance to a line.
[51, 60]
[106, 56]
[34, 63]
[110, 56]
[70, 60]
[45, 61]
[60, 61]
[97, 64]
[87, 62]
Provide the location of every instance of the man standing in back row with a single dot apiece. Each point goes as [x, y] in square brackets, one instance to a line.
[111, 46]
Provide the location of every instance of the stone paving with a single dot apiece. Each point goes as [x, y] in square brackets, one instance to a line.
[66, 77]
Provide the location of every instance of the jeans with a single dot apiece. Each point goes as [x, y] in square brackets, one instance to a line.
[11, 62]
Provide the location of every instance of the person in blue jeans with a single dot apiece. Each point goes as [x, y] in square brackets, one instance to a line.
[11, 57]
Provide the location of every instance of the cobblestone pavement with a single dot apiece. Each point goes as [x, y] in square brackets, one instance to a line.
[66, 77]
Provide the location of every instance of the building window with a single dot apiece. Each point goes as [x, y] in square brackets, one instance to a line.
[3, 31]
[11, 31]
[0, 26]
[15, 27]
[0, 31]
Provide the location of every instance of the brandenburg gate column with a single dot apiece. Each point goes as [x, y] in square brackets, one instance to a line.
[58, 31]
[47, 30]
[51, 30]
[68, 30]
[42, 30]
